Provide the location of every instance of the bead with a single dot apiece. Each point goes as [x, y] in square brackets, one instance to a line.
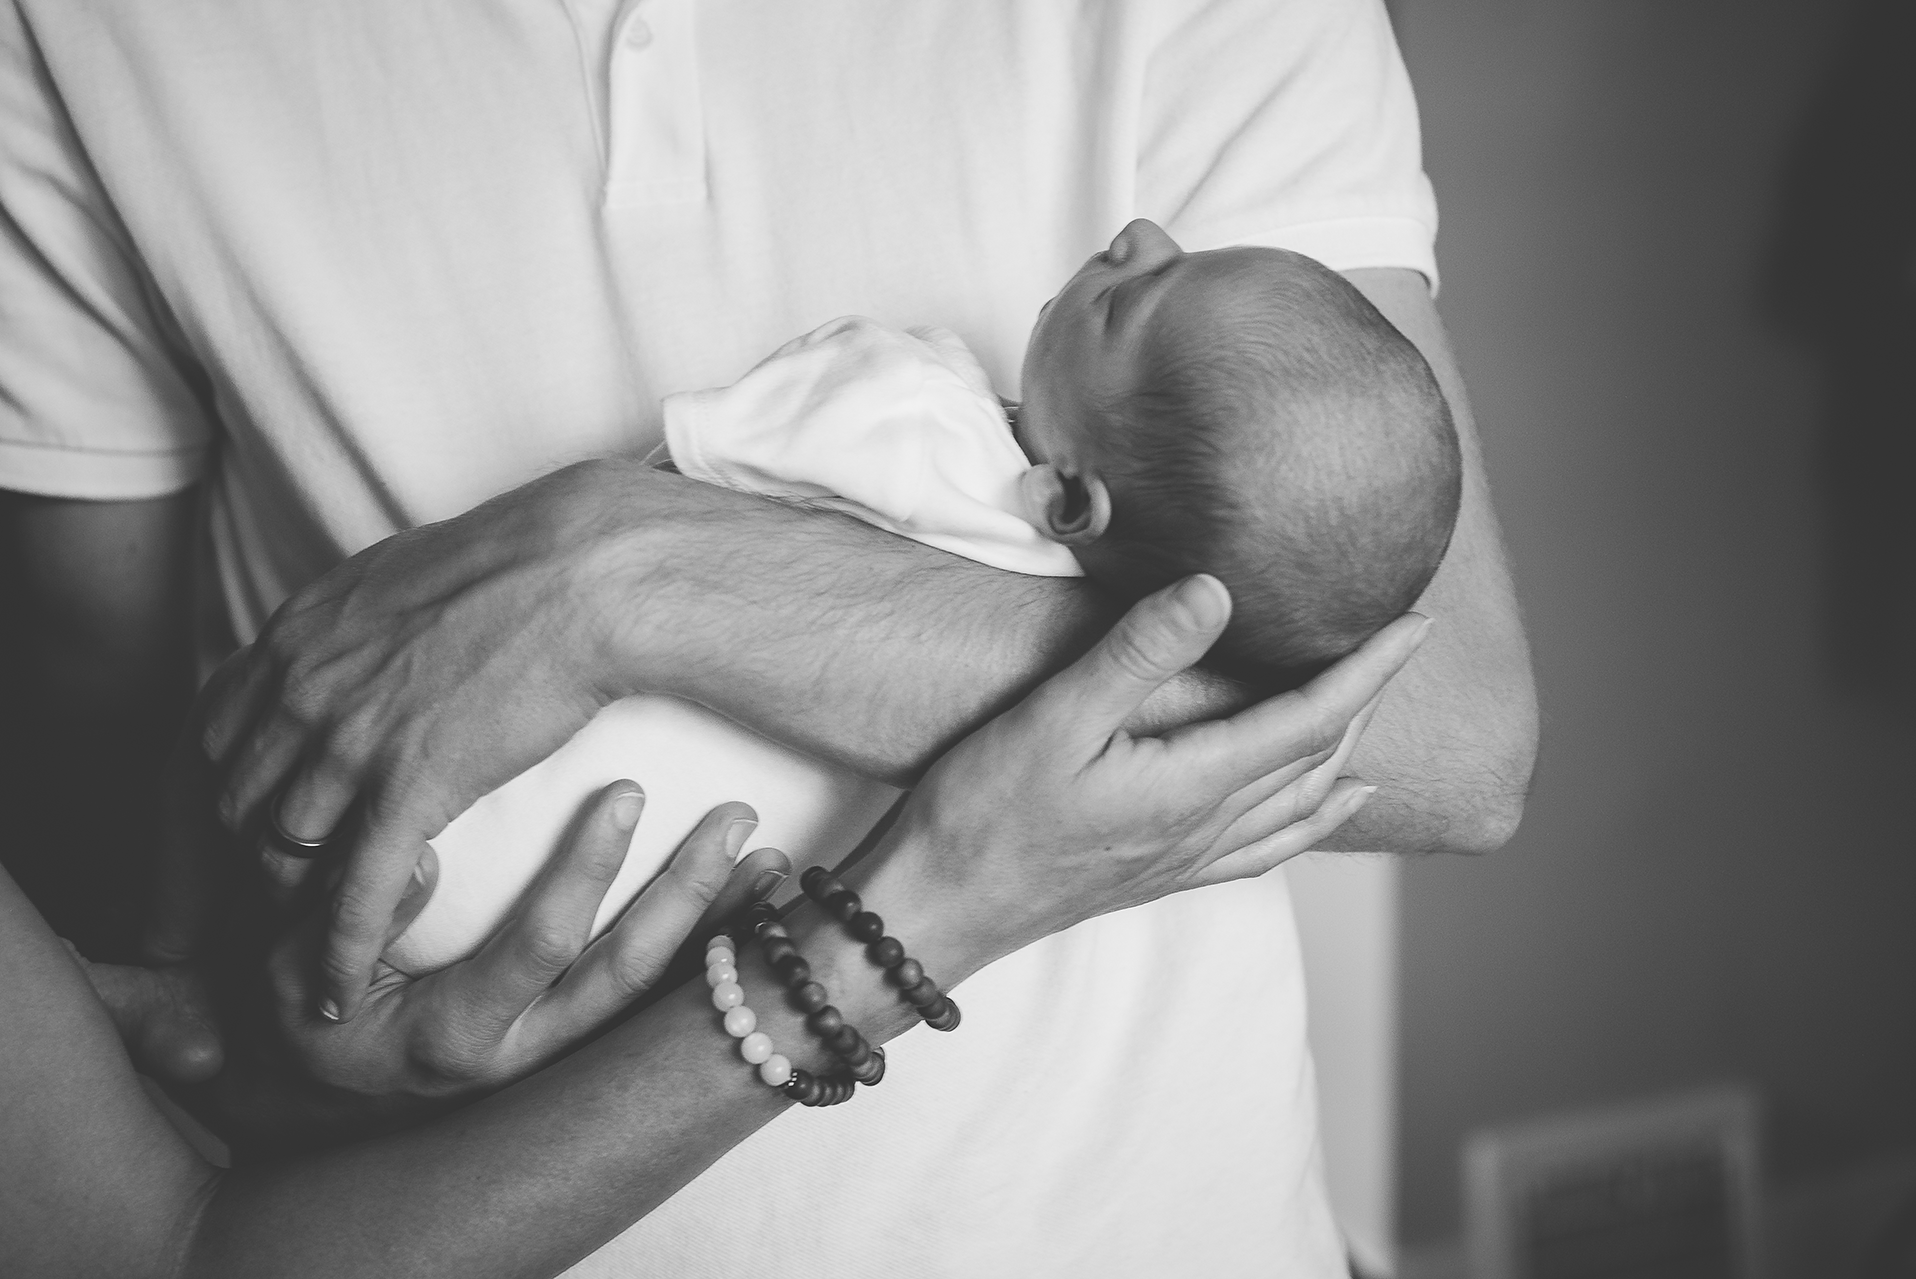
[923, 993]
[907, 973]
[810, 997]
[759, 912]
[728, 996]
[722, 942]
[818, 883]
[778, 948]
[792, 969]
[771, 928]
[721, 972]
[948, 1020]
[886, 952]
[826, 1021]
[775, 1069]
[858, 1054]
[843, 1040]
[866, 927]
[756, 1047]
[843, 904]
[740, 1022]
[869, 1071]
[802, 1085]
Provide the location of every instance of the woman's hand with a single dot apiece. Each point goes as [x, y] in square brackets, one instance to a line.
[535, 990]
[1052, 813]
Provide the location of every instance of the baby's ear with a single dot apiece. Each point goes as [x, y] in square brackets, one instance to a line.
[1073, 510]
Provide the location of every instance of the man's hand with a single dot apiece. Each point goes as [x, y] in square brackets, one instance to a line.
[533, 992]
[385, 698]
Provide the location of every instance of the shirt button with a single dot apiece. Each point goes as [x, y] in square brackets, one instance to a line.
[638, 35]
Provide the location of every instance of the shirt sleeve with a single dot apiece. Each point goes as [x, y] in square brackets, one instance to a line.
[95, 401]
[1288, 123]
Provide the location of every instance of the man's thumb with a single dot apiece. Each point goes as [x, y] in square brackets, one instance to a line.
[1164, 633]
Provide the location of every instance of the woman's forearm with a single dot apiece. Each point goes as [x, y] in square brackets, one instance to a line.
[584, 1147]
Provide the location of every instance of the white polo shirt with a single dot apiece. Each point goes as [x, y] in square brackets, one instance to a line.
[362, 265]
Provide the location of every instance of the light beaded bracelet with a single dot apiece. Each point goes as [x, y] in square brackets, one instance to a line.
[775, 1070]
[741, 1023]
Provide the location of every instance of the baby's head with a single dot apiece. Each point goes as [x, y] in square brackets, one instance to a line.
[1246, 413]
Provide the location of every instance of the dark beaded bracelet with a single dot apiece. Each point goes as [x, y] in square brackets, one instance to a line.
[823, 1020]
[938, 1009]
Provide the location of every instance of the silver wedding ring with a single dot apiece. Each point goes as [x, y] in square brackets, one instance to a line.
[293, 843]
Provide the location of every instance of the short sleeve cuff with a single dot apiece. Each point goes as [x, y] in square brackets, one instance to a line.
[1353, 244]
[52, 470]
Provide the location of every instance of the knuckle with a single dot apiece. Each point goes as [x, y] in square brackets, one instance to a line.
[548, 947]
[1322, 730]
[229, 808]
[635, 971]
[356, 916]
[1132, 654]
[338, 967]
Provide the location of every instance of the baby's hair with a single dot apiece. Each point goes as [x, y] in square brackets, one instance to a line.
[1295, 445]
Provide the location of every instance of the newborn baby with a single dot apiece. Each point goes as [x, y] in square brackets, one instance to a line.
[1243, 412]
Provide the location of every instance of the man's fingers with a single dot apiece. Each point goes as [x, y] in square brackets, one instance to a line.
[1312, 720]
[231, 701]
[1161, 635]
[550, 927]
[256, 770]
[1283, 838]
[314, 798]
[631, 958]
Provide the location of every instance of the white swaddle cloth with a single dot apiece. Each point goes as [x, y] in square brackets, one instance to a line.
[900, 429]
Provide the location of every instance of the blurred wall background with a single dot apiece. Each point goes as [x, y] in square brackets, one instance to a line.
[1659, 286]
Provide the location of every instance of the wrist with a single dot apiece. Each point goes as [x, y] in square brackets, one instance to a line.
[624, 535]
[913, 880]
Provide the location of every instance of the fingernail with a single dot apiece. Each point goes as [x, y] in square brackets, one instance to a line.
[738, 832]
[1424, 630]
[329, 1010]
[1361, 797]
[1208, 602]
[766, 883]
[627, 807]
[419, 873]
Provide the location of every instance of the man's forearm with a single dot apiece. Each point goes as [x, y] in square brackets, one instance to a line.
[844, 641]
[878, 653]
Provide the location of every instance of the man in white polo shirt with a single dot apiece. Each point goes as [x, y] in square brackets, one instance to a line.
[349, 269]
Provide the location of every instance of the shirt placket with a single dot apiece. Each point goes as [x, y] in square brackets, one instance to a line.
[655, 130]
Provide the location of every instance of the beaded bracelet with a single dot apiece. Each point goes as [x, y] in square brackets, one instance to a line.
[863, 1063]
[775, 1070]
[939, 1010]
